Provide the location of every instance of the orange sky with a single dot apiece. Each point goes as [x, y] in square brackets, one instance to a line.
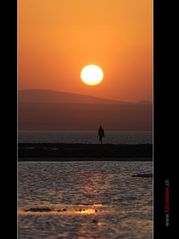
[57, 38]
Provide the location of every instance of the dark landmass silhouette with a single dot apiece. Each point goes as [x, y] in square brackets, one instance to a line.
[50, 96]
[50, 110]
[143, 175]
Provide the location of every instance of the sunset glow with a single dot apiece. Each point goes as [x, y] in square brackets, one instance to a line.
[56, 38]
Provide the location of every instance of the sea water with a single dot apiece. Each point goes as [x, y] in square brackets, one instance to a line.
[85, 200]
[85, 137]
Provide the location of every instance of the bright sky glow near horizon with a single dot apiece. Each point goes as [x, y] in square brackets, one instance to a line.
[57, 38]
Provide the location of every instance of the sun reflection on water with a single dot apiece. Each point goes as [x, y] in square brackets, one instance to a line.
[88, 211]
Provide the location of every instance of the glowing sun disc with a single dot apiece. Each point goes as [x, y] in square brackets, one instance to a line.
[91, 75]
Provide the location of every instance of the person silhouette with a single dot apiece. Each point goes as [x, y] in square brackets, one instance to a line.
[101, 134]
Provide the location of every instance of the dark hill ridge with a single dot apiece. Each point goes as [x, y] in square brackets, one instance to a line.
[48, 110]
[49, 96]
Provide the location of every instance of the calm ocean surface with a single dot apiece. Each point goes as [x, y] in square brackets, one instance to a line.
[85, 200]
[85, 137]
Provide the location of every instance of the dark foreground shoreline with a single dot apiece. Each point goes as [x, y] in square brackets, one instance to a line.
[83, 152]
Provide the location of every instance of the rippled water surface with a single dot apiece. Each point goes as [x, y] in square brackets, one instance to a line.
[85, 137]
[84, 200]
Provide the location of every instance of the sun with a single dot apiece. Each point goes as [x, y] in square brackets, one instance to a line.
[91, 75]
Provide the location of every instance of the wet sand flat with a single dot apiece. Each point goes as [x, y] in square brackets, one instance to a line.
[85, 151]
[62, 159]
